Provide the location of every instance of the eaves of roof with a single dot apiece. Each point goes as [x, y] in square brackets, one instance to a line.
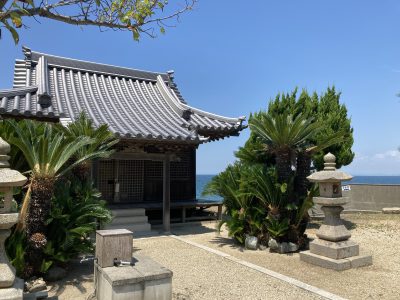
[134, 103]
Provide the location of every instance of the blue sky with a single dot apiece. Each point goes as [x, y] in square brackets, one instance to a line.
[231, 57]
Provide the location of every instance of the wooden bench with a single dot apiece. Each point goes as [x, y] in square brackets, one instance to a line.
[199, 203]
[183, 205]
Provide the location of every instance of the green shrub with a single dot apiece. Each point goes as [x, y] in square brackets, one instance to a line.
[77, 211]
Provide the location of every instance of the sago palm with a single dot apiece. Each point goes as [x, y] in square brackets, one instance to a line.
[103, 141]
[262, 184]
[47, 153]
[283, 136]
[226, 185]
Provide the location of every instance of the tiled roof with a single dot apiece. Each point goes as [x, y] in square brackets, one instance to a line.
[134, 103]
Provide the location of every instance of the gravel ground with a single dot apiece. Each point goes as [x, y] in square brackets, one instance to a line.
[77, 285]
[199, 274]
[377, 234]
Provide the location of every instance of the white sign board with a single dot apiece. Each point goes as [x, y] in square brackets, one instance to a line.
[346, 188]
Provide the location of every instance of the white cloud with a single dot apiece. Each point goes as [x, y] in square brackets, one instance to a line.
[391, 154]
[384, 163]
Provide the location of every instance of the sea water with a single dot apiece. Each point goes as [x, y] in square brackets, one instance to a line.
[202, 180]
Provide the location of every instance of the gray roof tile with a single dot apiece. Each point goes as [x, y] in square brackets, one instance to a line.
[133, 103]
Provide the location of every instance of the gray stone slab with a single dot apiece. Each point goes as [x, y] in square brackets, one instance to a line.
[335, 264]
[360, 261]
[391, 210]
[144, 269]
[323, 201]
[335, 250]
[13, 293]
[146, 280]
[325, 262]
[113, 232]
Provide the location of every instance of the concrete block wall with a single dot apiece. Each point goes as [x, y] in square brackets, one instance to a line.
[372, 196]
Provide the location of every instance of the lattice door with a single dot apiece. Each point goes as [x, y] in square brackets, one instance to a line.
[130, 178]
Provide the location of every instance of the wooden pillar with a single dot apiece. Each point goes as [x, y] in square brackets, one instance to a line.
[183, 214]
[219, 214]
[166, 195]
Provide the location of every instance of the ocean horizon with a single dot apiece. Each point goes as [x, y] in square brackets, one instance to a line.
[203, 179]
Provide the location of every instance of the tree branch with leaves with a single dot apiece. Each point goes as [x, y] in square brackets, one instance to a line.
[136, 16]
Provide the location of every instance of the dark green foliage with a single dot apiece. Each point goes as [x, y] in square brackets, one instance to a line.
[250, 192]
[103, 141]
[15, 248]
[70, 224]
[277, 228]
[56, 225]
[227, 185]
[329, 112]
[267, 192]
[77, 211]
[334, 115]
[17, 160]
[254, 152]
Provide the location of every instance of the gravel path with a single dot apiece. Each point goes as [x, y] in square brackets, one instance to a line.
[377, 234]
[199, 274]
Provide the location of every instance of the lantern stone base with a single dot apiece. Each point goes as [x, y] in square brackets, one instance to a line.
[14, 292]
[336, 264]
[334, 250]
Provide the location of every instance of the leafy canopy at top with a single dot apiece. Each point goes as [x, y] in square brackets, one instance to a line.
[136, 16]
[324, 109]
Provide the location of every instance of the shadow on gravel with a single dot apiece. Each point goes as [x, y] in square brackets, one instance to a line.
[77, 274]
[188, 229]
[223, 241]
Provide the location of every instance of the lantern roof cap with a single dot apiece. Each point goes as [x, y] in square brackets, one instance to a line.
[329, 173]
[8, 177]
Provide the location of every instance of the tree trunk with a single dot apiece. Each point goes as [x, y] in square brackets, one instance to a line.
[303, 170]
[284, 165]
[302, 186]
[38, 211]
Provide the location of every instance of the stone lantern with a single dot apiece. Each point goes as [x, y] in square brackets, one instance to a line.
[333, 249]
[11, 288]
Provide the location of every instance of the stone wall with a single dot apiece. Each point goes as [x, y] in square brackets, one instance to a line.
[372, 196]
[368, 197]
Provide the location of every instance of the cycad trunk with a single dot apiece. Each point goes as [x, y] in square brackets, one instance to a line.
[284, 164]
[303, 170]
[301, 186]
[38, 211]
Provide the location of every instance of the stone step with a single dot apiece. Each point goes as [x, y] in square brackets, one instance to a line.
[129, 220]
[336, 264]
[126, 212]
[132, 227]
[391, 210]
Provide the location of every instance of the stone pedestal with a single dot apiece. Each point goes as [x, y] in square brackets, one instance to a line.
[146, 280]
[10, 286]
[333, 249]
[15, 292]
